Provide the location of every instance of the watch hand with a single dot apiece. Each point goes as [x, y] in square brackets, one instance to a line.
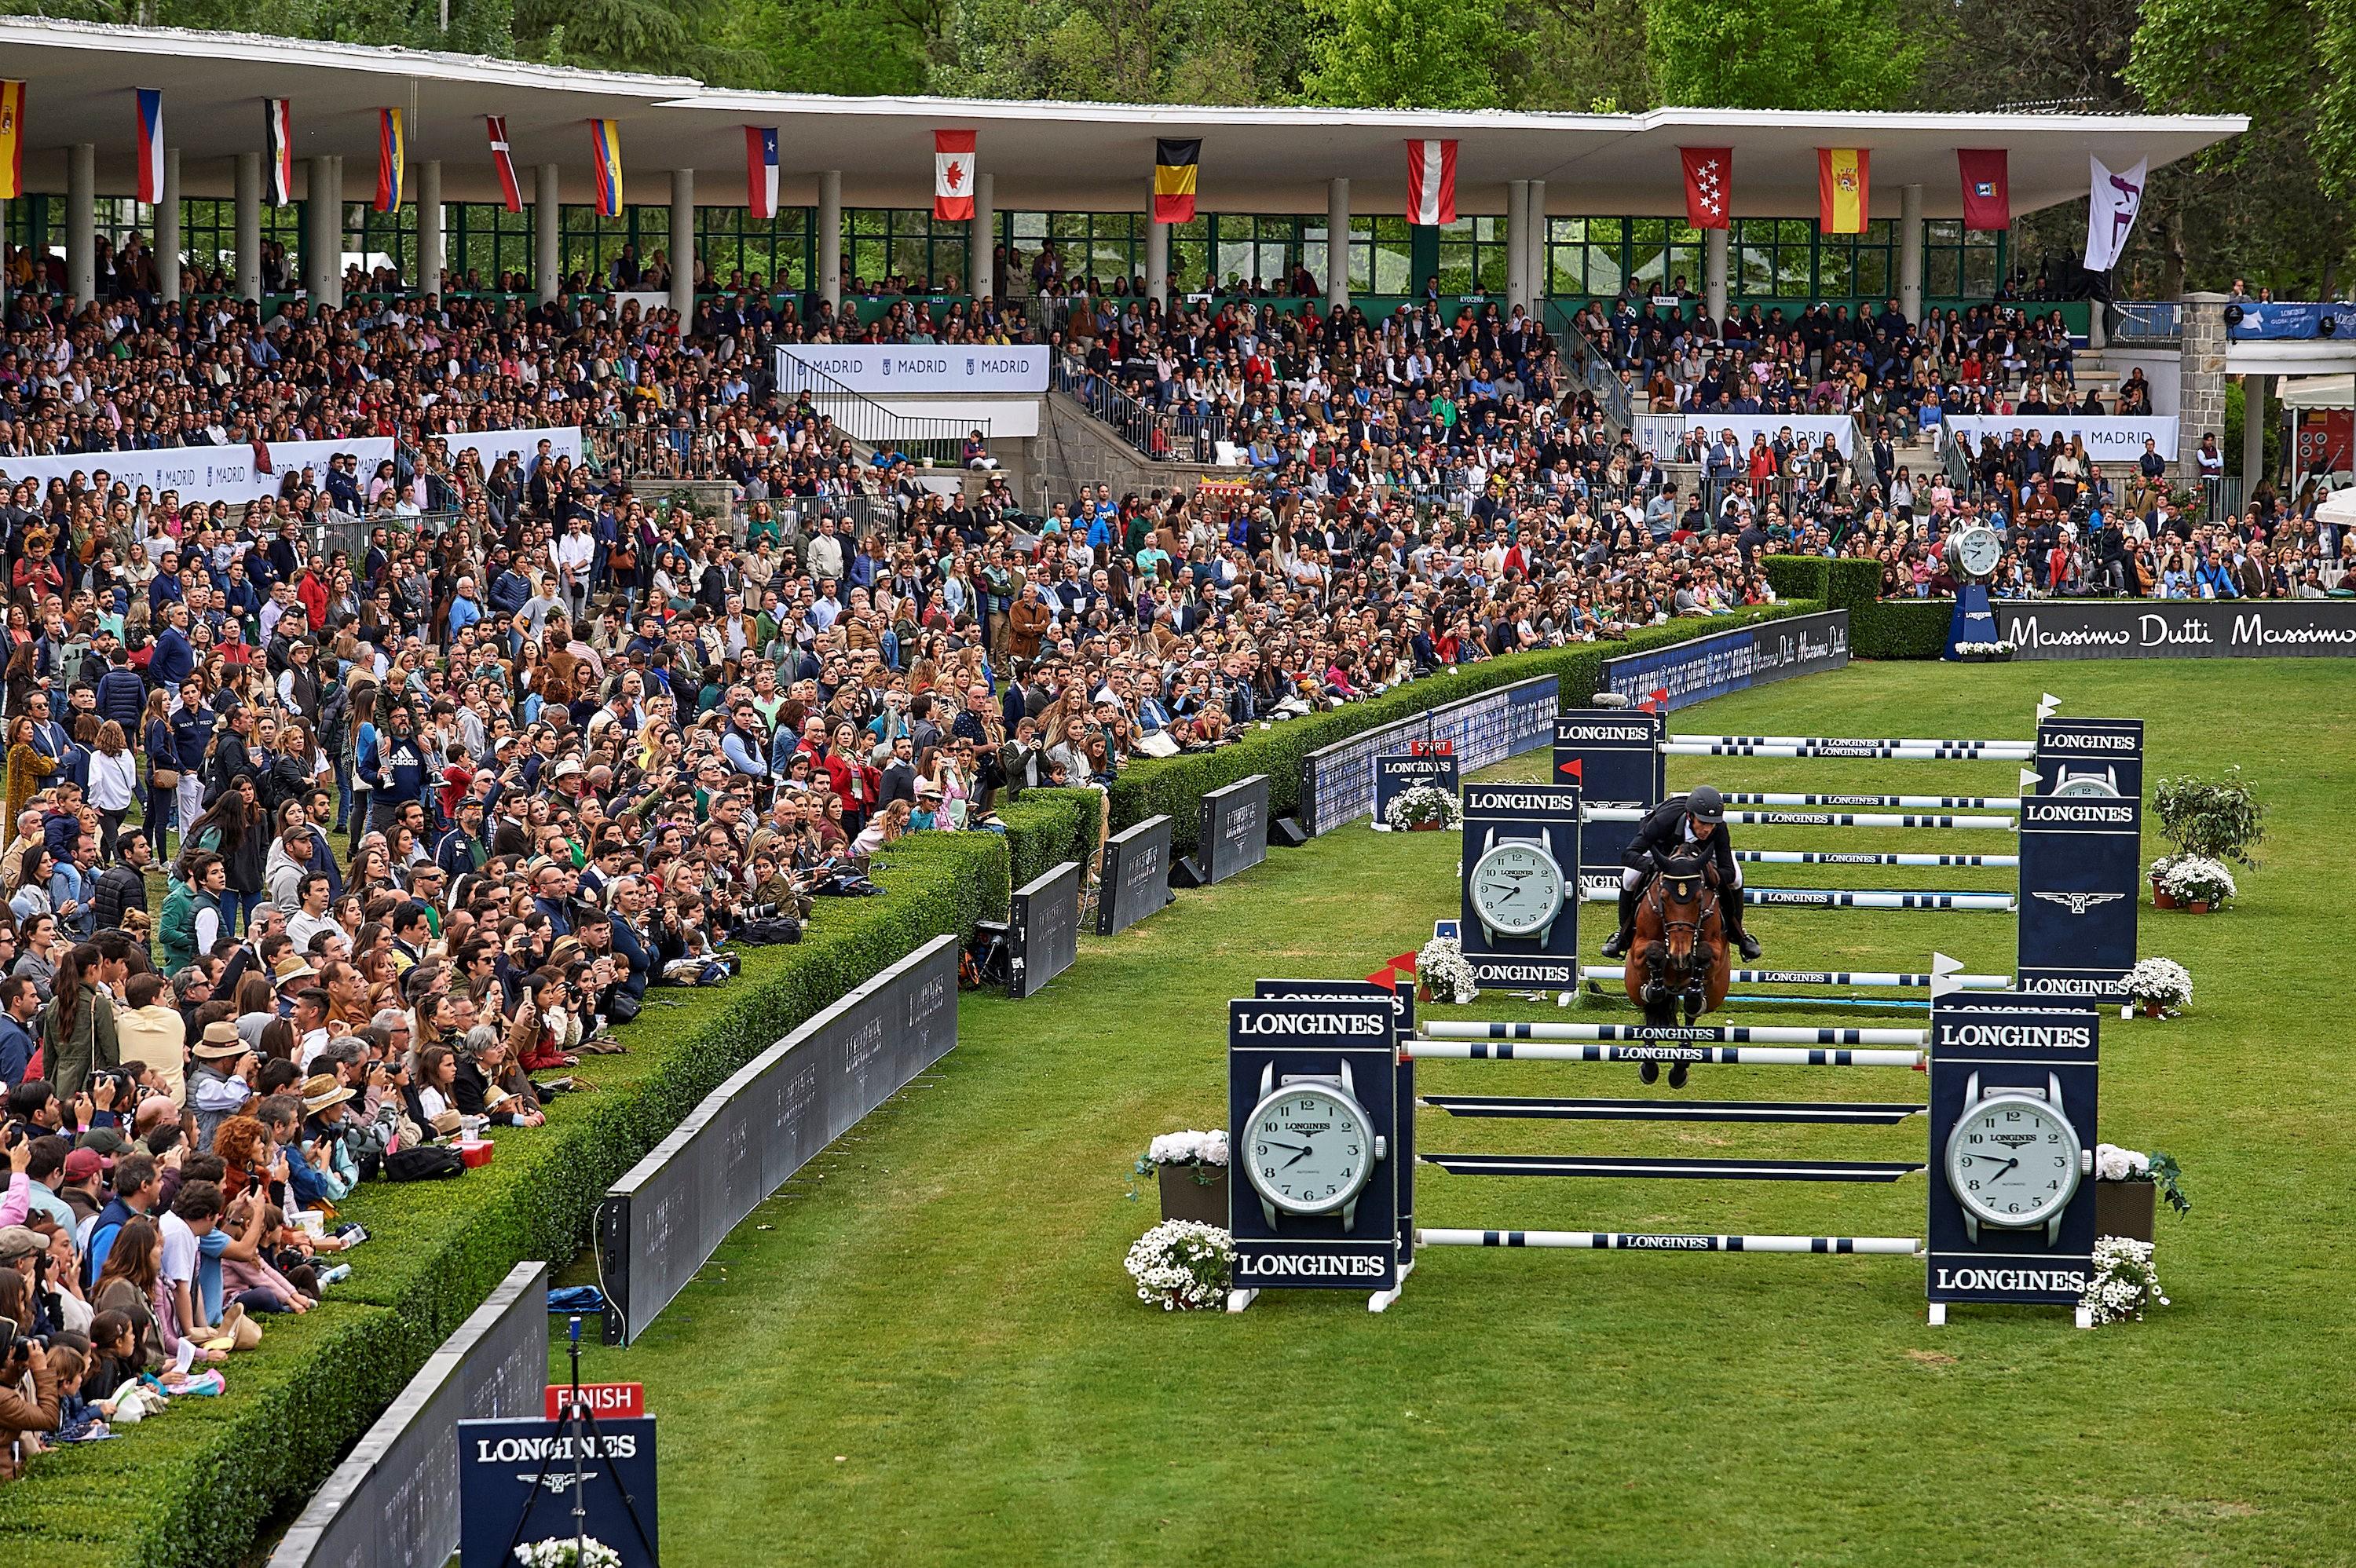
[1302, 1148]
[1306, 1150]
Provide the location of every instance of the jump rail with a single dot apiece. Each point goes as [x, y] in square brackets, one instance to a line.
[1839, 857]
[1905, 741]
[1885, 754]
[1826, 977]
[1641, 1242]
[1845, 898]
[1892, 801]
[1678, 1034]
[1829, 1113]
[1819, 819]
[1691, 1055]
[1629, 1167]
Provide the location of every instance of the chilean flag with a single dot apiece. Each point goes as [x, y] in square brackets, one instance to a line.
[761, 170]
[952, 174]
[151, 144]
[503, 160]
[1431, 182]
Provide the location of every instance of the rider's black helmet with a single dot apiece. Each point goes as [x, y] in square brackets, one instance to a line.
[1705, 805]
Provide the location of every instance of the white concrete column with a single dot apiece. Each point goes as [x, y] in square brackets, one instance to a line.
[1157, 252]
[1716, 243]
[168, 232]
[978, 234]
[249, 226]
[333, 219]
[829, 281]
[432, 252]
[318, 196]
[1910, 253]
[2253, 432]
[682, 246]
[547, 244]
[1534, 257]
[1517, 233]
[81, 221]
[1337, 243]
[2098, 335]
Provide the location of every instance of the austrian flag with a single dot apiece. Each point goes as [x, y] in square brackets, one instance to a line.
[1710, 185]
[1431, 182]
[952, 174]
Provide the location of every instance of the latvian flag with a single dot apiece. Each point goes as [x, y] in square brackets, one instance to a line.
[1431, 182]
[952, 174]
[278, 142]
[503, 160]
[151, 144]
[761, 170]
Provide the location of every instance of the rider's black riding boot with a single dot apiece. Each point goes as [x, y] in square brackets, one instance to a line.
[1731, 910]
[1617, 947]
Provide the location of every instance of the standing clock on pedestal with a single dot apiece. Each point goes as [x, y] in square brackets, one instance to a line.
[1518, 888]
[2013, 1161]
[1310, 1147]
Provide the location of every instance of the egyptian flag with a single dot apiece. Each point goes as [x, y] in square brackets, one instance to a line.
[391, 159]
[1987, 198]
[12, 140]
[151, 144]
[1843, 189]
[1175, 163]
[503, 160]
[952, 174]
[761, 170]
[278, 142]
[1431, 182]
[605, 166]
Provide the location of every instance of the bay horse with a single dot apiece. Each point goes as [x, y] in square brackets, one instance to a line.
[1676, 963]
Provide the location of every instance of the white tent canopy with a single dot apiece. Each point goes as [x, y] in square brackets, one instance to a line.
[2304, 393]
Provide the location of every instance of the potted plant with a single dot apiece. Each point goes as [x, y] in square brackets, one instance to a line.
[1426, 808]
[2216, 820]
[2123, 1283]
[566, 1551]
[1443, 973]
[2161, 988]
[2129, 1187]
[2198, 883]
[1183, 1265]
[1192, 1169]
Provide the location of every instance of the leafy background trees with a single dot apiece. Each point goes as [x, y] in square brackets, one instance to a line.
[2271, 206]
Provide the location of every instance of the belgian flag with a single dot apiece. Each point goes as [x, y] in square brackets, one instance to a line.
[1175, 163]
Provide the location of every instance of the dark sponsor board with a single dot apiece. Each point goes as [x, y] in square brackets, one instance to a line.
[1745, 656]
[1136, 881]
[1232, 834]
[1043, 930]
[2179, 629]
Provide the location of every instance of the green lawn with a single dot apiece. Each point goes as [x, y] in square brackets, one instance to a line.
[926, 1349]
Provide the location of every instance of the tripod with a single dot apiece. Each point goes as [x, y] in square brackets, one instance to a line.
[577, 1416]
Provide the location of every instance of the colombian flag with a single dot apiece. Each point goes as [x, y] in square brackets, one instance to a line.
[1843, 188]
[605, 160]
[1175, 163]
[391, 159]
[12, 140]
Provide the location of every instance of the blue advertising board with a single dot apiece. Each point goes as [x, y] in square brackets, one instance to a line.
[516, 1482]
[1687, 673]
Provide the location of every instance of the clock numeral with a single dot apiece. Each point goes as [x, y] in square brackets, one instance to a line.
[1974, 1184]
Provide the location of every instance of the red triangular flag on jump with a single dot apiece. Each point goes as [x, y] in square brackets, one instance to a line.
[1386, 977]
[1576, 768]
[1404, 962]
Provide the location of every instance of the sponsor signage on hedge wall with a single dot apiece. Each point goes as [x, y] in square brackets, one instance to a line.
[1687, 673]
[393, 1502]
[1233, 835]
[669, 1212]
[1337, 782]
[1043, 930]
[1136, 881]
[2179, 629]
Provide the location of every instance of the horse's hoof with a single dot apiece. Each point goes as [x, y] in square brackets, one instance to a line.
[1650, 1072]
[1677, 1076]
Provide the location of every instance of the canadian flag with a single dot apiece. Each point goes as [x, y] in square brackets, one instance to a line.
[1710, 185]
[952, 174]
[1431, 182]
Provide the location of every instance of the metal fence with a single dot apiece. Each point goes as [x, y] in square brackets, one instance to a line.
[863, 419]
[2145, 321]
[1174, 434]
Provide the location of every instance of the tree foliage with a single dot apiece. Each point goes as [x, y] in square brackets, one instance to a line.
[1771, 54]
[1409, 54]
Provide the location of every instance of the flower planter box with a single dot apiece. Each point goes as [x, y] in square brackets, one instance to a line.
[2125, 1209]
[1186, 1196]
[1433, 826]
[1983, 658]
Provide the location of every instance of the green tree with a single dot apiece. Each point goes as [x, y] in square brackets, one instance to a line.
[1410, 54]
[853, 47]
[1772, 54]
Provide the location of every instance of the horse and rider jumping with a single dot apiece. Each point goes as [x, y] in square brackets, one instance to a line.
[1680, 904]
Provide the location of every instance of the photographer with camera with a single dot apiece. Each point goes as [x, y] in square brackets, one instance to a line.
[29, 1388]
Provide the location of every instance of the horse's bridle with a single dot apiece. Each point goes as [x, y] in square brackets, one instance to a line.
[1657, 955]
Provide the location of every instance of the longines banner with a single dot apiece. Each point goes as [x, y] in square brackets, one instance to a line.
[669, 1212]
[1687, 673]
[2179, 629]
[913, 367]
[1337, 782]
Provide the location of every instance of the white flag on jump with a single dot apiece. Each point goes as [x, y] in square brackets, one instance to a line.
[2111, 211]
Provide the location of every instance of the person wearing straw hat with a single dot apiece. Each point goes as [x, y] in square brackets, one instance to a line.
[222, 1083]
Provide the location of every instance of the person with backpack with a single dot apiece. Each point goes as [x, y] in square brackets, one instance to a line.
[78, 1034]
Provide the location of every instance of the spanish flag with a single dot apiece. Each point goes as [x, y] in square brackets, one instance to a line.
[12, 140]
[392, 160]
[1843, 189]
[605, 163]
[1175, 163]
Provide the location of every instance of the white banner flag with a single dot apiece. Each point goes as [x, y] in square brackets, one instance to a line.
[2110, 211]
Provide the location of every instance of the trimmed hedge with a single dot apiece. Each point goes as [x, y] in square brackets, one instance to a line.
[1879, 628]
[198, 1485]
[1173, 785]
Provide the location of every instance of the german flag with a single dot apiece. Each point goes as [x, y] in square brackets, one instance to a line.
[1175, 163]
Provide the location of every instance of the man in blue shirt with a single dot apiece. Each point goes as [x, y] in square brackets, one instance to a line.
[173, 658]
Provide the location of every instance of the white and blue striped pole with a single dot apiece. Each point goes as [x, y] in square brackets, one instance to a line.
[1641, 1242]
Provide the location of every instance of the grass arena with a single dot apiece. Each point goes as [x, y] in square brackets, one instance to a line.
[925, 1347]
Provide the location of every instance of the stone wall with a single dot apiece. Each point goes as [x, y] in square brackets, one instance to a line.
[2202, 409]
